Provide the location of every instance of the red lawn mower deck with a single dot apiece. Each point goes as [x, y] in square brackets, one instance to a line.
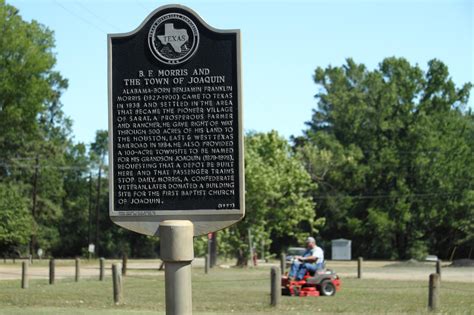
[325, 283]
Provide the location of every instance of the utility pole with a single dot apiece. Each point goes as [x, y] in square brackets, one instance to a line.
[213, 257]
[33, 208]
[89, 225]
[97, 211]
[89, 229]
[250, 248]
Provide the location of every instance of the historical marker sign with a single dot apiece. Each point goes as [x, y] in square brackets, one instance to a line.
[175, 124]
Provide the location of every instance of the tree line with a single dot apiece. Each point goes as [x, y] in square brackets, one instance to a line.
[392, 152]
[386, 160]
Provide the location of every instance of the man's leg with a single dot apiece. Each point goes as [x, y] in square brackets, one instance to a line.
[294, 268]
[311, 268]
[301, 272]
[305, 268]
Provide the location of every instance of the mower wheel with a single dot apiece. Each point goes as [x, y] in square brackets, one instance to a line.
[328, 288]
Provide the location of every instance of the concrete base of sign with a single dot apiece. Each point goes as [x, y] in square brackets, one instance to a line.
[203, 224]
[176, 250]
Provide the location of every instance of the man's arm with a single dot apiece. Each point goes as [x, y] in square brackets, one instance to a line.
[310, 259]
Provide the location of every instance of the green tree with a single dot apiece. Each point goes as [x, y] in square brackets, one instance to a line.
[33, 130]
[278, 201]
[98, 154]
[392, 153]
[110, 239]
[76, 203]
[29, 87]
[16, 224]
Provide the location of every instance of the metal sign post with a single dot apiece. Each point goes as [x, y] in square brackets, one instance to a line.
[175, 136]
[176, 245]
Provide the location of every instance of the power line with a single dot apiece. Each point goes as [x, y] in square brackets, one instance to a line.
[361, 197]
[397, 152]
[96, 16]
[79, 17]
[28, 166]
[22, 158]
[142, 5]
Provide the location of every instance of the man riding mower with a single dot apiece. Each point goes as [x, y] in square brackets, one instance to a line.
[308, 276]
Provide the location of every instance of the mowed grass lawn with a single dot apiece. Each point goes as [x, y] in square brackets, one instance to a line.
[228, 291]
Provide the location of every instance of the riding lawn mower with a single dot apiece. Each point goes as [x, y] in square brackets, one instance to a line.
[324, 282]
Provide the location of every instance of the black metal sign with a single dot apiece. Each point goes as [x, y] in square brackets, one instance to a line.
[175, 123]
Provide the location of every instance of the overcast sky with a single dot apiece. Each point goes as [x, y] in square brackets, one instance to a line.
[282, 44]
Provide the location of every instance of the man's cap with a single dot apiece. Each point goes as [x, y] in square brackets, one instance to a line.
[310, 240]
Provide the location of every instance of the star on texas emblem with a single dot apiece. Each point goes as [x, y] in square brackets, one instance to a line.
[173, 38]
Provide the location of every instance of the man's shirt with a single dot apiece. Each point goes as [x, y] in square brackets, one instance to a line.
[315, 252]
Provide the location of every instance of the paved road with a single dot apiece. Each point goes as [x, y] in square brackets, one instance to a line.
[389, 270]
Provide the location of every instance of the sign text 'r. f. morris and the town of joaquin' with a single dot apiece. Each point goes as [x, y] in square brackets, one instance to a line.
[175, 120]
[175, 132]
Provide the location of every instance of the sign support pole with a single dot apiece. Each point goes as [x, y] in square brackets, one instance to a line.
[176, 243]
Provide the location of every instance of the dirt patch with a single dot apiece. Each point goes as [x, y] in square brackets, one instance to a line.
[401, 270]
[410, 263]
[463, 263]
[66, 269]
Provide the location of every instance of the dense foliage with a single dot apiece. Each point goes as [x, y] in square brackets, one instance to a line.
[53, 193]
[392, 151]
[33, 131]
[388, 157]
[15, 219]
[278, 200]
